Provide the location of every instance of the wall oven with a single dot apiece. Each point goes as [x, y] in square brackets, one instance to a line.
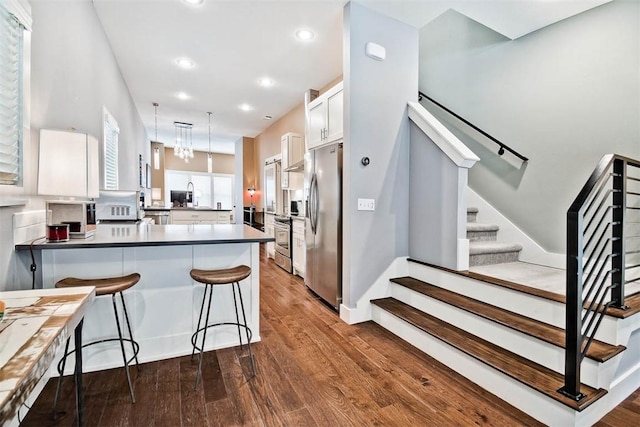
[282, 231]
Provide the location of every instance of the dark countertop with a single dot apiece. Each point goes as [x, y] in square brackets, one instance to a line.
[136, 235]
[158, 208]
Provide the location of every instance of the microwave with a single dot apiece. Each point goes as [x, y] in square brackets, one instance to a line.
[80, 215]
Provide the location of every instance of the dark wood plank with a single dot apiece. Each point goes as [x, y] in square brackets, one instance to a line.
[536, 376]
[310, 365]
[598, 351]
[626, 414]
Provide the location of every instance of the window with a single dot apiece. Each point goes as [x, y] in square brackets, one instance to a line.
[111, 131]
[209, 189]
[12, 60]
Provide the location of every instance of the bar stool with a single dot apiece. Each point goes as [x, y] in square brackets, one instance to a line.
[211, 278]
[107, 286]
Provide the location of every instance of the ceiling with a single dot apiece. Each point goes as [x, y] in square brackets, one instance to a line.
[235, 43]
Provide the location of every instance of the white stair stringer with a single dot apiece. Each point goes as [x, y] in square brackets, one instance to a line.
[523, 397]
[595, 374]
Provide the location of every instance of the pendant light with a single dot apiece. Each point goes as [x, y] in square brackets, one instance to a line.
[184, 141]
[156, 150]
[209, 155]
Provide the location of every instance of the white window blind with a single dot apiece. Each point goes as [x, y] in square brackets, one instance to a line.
[11, 97]
[111, 131]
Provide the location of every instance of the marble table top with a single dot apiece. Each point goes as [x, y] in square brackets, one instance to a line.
[35, 327]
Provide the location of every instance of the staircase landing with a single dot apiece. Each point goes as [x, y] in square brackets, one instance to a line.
[540, 277]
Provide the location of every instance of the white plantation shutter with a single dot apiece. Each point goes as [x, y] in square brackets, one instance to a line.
[111, 131]
[11, 97]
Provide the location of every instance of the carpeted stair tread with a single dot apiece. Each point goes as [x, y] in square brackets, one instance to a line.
[598, 351]
[483, 247]
[478, 226]
[517, 367]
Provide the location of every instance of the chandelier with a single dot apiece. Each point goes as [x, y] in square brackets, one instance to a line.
[184, 141]
[209, 155]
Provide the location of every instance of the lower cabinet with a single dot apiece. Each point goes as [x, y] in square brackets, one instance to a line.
[269, 231]
[299, 248]
[187, 216]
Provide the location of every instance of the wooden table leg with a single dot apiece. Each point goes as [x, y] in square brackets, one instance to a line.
[78, 371]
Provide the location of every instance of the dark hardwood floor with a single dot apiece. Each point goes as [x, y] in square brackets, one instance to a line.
[313, 369]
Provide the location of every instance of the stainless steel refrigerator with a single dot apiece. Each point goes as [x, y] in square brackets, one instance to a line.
[323, 222]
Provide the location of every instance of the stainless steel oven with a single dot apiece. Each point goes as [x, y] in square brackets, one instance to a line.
[282, 229]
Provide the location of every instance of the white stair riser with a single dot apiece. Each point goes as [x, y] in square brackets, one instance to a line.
[541, 309]
[551, 356]
[528, 305]
[537, 405]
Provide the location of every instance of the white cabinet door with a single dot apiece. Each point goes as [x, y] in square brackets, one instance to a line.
[325, 118]
[315, 127]
[269, 231]
[299, 248]
[335, 111]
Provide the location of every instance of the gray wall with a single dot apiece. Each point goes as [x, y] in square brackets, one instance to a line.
[562, 96]
[376, 126]
[433, 225]
[73, 75]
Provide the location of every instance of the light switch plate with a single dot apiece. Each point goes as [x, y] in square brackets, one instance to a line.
[366, 204]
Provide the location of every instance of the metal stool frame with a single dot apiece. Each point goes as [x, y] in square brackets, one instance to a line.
[203, 329]
[135, 347]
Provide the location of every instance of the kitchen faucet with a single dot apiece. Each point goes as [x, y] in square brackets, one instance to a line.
[192, 193]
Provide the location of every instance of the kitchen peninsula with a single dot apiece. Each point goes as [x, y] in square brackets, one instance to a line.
[164, 305]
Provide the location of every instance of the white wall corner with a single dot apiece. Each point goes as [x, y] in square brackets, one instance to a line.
[379, 289]
[459, 153]
[462, 263]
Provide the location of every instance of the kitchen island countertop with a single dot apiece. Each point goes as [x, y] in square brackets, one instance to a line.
[137, 235]
[169, 208]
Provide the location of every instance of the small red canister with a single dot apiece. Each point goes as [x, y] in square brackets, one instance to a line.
[58, 233]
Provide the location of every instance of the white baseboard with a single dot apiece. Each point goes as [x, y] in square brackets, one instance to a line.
[379, 289]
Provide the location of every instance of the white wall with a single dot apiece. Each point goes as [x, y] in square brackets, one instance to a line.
[73, 75]
[563, 96]
[433, 208]
[376, 126]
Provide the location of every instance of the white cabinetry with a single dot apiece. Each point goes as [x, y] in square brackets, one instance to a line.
[192, 216]
[325, 118]
[269, 230]
[299, 248]
[292, 150]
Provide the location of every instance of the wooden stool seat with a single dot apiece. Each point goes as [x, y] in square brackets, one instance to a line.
[210, 278]
[106, 286]
[221, 276]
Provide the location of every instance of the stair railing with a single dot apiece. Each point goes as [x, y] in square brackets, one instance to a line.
[502, 145]
[599, 223]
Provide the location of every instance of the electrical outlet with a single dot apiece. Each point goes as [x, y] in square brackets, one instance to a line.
[366, 204]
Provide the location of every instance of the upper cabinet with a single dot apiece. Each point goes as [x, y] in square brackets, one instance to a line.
[292, 149]
[325, 115]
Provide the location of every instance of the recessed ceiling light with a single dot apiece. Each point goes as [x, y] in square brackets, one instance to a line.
[185, 63]
[245, 107]
[194, 2]
[183, 96]
[268, 117]
[304, 35]
[266, 82]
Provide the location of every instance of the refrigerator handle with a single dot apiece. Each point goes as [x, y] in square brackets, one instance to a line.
[313, 201]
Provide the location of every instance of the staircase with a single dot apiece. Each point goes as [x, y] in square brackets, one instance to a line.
[484, 248]
[510, 340]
